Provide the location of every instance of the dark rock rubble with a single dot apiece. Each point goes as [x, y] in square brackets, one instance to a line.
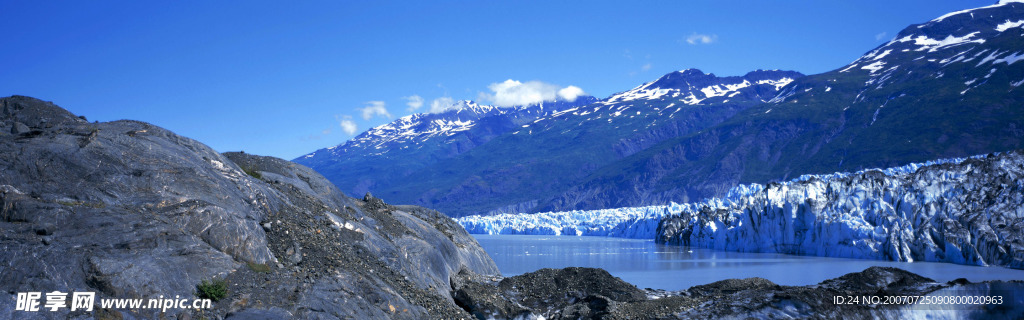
[584, 293]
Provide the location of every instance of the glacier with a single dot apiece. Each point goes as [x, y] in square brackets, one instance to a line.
[631, 222]
[961, 210]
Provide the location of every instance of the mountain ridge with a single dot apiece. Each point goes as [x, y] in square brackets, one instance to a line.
[511, 157]
[415, 141]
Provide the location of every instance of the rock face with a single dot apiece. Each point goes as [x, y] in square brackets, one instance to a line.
[130, 210]
[570, 293]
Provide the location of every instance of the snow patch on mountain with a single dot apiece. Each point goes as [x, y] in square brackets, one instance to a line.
[932, 45]
[778, 83]
[1009, 25]
[644, 91]
[874, 67]
[1009, 59]
[723, 89]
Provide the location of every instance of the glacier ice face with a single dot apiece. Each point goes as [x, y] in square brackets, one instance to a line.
[640, 222]
[966, 211]
[963, 211]
[632, 222]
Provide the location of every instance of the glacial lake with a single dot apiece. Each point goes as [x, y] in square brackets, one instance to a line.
[650, 265]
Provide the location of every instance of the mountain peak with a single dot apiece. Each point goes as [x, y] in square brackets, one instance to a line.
[459, 119]
[458, 105]
[693, 85]
[689, 72]
[775, 74]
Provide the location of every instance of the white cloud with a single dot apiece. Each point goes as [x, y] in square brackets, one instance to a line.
[378, 108]
[570, 93]
[515, 93]
[881, 36]
[414, 102]
[441, 104]
[346, 123]
[697, 38]
[646, 67]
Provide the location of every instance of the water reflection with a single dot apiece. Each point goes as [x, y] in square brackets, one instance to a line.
[650, 265]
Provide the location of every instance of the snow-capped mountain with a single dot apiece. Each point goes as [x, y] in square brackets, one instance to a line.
[418, 127]
[959, 52]
[691, 86]
[980, 38]
[464, 115]
[384, 154]
[965, 210]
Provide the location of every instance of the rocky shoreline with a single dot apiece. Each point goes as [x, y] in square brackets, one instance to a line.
[584, 293]
[126, 209]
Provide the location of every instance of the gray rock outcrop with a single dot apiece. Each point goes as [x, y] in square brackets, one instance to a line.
[130, 210]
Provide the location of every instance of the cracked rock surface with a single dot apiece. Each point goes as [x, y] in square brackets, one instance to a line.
[127, 209]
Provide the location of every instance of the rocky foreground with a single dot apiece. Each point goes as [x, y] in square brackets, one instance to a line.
[584, 293]
[126, 209]
[130, 210]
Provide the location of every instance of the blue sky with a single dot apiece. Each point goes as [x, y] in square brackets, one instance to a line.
[284, 79]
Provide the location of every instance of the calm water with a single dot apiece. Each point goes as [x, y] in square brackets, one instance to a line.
[650, 265]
